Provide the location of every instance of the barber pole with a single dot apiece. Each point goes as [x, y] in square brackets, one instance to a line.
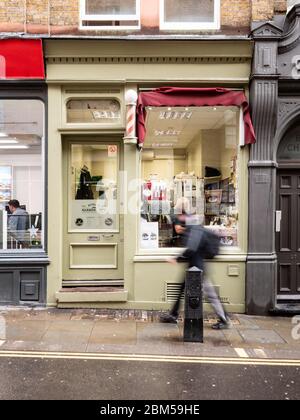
[131, 98]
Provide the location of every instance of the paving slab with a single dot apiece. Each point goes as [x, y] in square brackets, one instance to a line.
[261, 337]
[112, 332]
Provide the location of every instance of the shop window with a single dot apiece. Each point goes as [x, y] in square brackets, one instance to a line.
[21, 175]
[189, 14]
[110, 14]
[94, 111]
[190, 164]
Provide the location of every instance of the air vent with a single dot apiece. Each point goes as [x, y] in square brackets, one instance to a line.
[173, 289]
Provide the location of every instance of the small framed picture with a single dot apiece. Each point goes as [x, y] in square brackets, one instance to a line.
[213, 196]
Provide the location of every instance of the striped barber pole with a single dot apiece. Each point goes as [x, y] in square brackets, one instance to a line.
[130, 121]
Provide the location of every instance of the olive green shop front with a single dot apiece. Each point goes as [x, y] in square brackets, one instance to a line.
[108, 236]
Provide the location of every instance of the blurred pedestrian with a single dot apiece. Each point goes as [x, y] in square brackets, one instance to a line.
[201, 244]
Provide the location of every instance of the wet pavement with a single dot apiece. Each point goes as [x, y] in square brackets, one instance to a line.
[139, 332]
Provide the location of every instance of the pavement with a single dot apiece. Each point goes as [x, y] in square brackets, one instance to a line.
[136, 332]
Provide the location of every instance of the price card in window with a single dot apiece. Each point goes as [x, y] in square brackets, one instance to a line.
[149, 235]
[112, 151]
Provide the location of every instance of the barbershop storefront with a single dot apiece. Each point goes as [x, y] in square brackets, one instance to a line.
[23, 102]
[273, 269]
[114, 187]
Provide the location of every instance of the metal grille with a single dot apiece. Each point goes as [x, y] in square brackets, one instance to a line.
[173, 289]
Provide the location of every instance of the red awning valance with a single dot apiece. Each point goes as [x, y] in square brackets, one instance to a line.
[21, 59]
[171, 96]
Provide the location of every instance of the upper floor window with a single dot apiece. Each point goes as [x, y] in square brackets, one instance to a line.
[110, 14]
[189, 14]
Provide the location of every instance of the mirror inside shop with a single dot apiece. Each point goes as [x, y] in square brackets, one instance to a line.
[21, 175]
[190, 165]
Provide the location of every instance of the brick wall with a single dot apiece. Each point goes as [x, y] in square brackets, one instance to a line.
[62, 16]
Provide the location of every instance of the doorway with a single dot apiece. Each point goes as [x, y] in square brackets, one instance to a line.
[288, 235]
[93, 227]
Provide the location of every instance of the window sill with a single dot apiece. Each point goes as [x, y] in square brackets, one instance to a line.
[233, 257]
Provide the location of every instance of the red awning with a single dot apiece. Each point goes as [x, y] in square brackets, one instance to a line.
[171, 96]
[21, 59]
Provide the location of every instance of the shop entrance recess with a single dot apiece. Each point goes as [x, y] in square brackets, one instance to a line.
[93, 227]
[288, 234]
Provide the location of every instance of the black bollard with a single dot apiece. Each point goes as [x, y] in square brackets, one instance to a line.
[193, 312]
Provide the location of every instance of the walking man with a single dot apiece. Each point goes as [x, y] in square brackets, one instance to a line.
[200, 245]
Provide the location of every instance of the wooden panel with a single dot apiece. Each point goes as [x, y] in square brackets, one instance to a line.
[285, 278]
[286, 181]
[93, 256]
[286, 231]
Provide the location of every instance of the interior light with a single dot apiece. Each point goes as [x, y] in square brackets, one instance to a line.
[3, 135]
[13, 147]
[169, 109]
[9, 141]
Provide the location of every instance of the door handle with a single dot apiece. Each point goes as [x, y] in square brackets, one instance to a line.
[278, 220]
[108, 236]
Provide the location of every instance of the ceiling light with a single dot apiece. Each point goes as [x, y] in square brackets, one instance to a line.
[13, 147]
[3, 135]
[9, 141]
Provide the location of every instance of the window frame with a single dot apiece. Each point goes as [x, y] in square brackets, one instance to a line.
[24, 251]
[191, 26]
[122, 18]
[241, 247]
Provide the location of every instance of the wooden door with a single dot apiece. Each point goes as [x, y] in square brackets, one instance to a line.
[288, 239]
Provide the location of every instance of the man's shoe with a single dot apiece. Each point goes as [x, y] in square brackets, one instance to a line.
[222, 325]
[168, 319]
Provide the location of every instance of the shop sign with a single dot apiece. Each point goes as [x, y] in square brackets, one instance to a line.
[93, 111]
[86, 216]
[290, 148]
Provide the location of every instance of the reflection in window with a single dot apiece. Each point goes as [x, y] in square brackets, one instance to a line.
[110, 7]
[94, 194]
[189, 165]
[190, 14]
[21, 174]
[110, 14]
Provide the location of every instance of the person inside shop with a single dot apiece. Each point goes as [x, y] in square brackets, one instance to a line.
[84, 191]
[200, 245]
[18, 222]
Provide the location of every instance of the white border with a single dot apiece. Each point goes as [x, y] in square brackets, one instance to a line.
[84, 16]
[180, 26]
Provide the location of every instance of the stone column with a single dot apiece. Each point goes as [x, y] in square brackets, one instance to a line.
[262, 260]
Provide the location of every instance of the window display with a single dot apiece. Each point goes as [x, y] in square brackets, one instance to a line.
[21, 175]
[192, 171]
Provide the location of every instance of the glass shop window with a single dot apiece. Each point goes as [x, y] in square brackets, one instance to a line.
[93, 204]
[110, 14]
[189, 14]
[94, 111]
[189, 164]
[21, 175]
